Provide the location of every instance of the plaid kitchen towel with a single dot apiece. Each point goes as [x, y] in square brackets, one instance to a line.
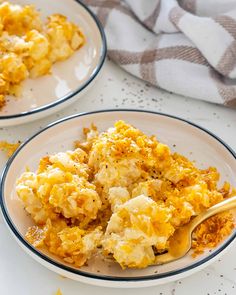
[184, 46]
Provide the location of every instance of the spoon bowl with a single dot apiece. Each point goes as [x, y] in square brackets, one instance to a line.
[181, 241]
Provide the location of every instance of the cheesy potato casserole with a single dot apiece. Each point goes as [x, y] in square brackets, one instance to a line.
[120, 192]
[29, 47]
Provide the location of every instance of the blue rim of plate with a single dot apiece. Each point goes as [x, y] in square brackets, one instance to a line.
[95, 276]
[83, 86]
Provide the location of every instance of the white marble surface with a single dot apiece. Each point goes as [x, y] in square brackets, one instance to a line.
[21, 275]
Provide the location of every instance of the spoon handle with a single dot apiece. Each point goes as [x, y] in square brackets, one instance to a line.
[225, 205]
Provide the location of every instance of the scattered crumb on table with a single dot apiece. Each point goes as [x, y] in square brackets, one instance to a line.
[58, 292]
[8, 147]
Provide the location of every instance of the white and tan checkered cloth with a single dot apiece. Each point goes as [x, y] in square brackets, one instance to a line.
[185, 46]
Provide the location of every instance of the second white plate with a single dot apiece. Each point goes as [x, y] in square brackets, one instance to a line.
[69, 79]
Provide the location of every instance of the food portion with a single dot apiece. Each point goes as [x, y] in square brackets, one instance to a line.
[29, 46]
[120, 193]
[63, 203]
[134, 229]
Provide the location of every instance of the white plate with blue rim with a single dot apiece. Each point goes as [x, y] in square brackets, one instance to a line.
[70, 79]
[202, 146]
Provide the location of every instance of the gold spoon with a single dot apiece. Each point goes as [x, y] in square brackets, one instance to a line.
[181, 241]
